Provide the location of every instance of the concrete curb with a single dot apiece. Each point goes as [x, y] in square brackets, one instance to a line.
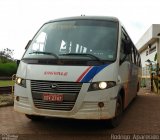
[6, 104]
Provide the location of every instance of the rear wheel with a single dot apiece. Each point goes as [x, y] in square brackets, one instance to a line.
[118, 113]
[34, 117]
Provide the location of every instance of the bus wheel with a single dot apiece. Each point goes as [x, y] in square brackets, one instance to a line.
[34, 117]
[118, 113]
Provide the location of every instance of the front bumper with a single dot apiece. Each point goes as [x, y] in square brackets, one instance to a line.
[86, 105]
[88, 110]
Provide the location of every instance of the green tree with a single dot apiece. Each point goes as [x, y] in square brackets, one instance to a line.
[8, 66]
[155, 57]
[6, 55]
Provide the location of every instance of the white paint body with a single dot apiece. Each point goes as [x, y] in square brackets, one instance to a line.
[86, 105]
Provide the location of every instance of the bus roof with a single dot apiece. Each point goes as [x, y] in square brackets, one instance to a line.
[114, 19]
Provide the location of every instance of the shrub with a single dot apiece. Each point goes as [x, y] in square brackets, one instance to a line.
[8, 69]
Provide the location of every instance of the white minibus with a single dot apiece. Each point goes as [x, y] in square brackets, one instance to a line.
[83, 67]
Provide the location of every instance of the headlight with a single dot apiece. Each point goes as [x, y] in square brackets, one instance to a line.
[101, 85]
[20, 81]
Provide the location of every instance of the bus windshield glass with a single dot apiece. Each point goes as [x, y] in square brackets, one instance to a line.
[75, 39]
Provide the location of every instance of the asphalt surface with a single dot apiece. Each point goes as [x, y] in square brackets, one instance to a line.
[141, 118]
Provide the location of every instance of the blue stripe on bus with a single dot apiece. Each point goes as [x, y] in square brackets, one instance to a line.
[95, 70]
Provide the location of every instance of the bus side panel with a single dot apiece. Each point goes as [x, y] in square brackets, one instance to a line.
[124, 78]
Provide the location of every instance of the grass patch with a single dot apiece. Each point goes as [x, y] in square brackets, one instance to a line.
[4, 83]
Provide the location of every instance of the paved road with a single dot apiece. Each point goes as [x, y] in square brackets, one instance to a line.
[141, 117]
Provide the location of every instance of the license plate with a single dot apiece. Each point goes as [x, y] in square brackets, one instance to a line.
[53, 97]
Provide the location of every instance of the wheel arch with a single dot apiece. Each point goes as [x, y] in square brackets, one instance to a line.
[122, 94]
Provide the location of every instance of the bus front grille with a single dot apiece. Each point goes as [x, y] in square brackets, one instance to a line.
[70, 91]
[66, 106]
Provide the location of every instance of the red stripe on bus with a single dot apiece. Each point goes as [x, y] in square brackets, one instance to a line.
[83, 74]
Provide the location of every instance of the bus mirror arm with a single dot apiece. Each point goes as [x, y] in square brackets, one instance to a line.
[29, 42]
[18, 61]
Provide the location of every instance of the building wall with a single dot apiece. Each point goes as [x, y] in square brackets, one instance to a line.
[147, 42]
[145, 38]
[150, 55]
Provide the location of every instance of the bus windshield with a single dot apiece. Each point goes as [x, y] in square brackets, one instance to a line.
[75, 39]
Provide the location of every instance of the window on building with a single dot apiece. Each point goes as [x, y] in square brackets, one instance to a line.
[152, 49]
[146, 52]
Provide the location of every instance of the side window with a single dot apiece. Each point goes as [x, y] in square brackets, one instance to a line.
[139, 61]
[122, 49]
[133, 55]
[137, 58]
[123, 55]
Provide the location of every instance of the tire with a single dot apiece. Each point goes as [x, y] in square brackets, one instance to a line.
[118, 113]
[34, 117]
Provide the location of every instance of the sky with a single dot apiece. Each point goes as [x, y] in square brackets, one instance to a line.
[20, 19]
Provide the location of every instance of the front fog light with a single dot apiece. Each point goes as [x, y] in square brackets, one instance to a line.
[102, 85]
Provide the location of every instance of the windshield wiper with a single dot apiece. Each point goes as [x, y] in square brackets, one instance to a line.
[46, 53]
[82, 54]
